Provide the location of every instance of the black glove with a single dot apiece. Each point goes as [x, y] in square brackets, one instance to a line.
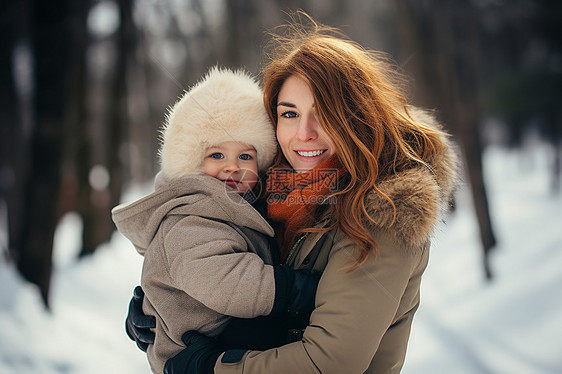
[295, 291]
[199, 356]
[260, 333]
[138, 324]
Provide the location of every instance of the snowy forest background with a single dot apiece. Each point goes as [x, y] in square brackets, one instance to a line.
[85, 86]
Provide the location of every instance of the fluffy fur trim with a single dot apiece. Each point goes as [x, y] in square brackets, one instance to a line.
[225, 106]
[421, 195]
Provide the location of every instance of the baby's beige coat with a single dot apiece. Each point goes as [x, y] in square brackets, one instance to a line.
[205, 254]
[362, 319]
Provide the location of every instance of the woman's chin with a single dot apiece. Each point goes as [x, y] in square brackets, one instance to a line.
[303, 164]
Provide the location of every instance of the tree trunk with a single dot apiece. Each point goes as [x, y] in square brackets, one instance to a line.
[473, 156]
[243, 43]
[554, 118]
[50, 43]
[100, 222]
[445, 51]
[14, 131]
[78, 137]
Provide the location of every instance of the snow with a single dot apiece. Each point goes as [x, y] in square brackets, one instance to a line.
[464, 325]
[514, 323]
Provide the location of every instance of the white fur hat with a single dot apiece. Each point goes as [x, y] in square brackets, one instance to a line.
[224, 106]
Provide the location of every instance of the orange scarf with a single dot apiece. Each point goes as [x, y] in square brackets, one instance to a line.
[292, 198]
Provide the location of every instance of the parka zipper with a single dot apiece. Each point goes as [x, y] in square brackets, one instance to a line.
[293, 248]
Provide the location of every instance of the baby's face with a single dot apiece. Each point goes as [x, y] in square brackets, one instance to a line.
[233, 163]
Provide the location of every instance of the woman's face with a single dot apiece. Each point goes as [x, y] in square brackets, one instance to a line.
[302, 139]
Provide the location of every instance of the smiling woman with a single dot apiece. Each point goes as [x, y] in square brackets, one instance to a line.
[302, 139]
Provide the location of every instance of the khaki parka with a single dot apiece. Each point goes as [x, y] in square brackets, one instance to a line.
[362, 318]
[206, 258]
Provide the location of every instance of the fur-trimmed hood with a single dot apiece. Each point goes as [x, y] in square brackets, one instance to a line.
[225, 106]
[421, 195]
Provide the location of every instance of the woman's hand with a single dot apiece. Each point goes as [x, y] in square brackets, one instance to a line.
[199, 356]
[138, 324]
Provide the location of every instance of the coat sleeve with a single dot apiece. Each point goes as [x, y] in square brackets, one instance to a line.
[209, 261]
[354, 311]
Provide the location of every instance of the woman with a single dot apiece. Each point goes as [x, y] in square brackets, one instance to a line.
[360, 184]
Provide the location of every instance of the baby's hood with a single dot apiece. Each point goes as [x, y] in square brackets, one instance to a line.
[199, 195]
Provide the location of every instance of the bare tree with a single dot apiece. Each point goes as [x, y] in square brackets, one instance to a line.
[97, 217]
[14, 125]
[443, 38]
[51, 44]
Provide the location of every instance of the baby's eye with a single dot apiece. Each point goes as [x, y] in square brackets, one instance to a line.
[288, 114]
[216, 155]
[245, 157]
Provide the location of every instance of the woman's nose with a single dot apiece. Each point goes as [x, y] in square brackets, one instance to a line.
[307, 129]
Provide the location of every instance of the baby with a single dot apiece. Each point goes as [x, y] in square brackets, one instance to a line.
[206, 248]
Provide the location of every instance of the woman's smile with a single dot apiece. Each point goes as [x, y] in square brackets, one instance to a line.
[311, 153]
[313, 157]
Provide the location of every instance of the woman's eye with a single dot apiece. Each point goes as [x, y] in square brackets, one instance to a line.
[288, 114]
[216, 156]
[245, 157]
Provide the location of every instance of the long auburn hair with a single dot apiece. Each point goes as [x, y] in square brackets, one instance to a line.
[360, 104]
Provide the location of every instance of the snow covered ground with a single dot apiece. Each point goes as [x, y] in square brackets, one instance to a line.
[513, 324]
[464, 325]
